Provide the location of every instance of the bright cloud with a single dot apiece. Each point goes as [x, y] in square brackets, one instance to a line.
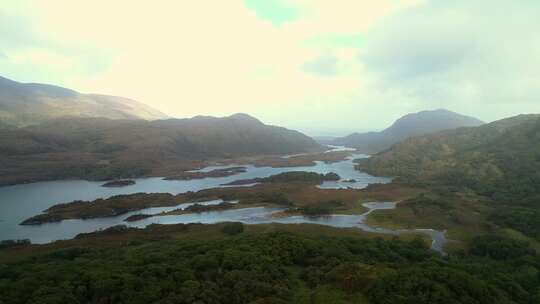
[341, 64]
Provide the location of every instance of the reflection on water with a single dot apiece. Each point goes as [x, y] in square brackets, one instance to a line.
[20, 202]
[264, 215]
[258, 215]
[158, 210]
[332, 149]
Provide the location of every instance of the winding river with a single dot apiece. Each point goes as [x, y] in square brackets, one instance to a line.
[20, 202]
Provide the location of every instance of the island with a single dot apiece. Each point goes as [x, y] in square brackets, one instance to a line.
[290, 189]
[288, 177]
[119, 183]
[304, 160]
[195, 208]
[137, 217]
[113, 206]
[224, 172]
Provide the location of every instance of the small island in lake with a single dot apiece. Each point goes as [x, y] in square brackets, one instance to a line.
[285, 189]
[119, 183]
[224, 172]
[195, 208]
[294, 176]
[198, 208]
[137, 217]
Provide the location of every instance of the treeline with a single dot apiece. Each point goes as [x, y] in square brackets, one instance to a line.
[278, 267]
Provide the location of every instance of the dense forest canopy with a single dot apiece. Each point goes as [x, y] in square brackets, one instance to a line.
[275, 267]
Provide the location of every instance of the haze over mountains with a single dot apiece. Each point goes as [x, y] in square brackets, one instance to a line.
[410, 125]
[71, 135]
[23, 104]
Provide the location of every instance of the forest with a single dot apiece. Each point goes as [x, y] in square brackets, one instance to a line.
[238, 265]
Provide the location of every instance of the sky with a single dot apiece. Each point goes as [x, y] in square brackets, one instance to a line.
[325, 67]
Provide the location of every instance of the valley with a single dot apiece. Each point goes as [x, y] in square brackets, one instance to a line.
[440, 193]
[282, 188]
[111, 205]
[308, 197]
[269, 152]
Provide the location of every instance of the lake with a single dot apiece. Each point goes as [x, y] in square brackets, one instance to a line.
[20, 202]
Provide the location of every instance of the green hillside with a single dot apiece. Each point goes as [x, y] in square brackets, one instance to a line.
[99, 148]
[499, 161]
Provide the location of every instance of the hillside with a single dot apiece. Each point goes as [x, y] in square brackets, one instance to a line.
[500, 160]
[23, 104]
[99, 148]
[410, 125]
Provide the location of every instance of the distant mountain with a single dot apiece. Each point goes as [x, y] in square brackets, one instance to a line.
[99, 148]
[500, 159]
[410, 125]
[23, 104]
[324, 139]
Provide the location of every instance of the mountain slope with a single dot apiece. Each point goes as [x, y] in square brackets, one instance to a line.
[98, 148]
[23, 104]
[500, 160]
[410, 125]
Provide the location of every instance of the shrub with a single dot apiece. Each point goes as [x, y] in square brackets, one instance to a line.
[233, 228]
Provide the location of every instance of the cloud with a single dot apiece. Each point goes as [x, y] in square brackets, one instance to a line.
[202, 57]
[275, 11]
[479, 58]
[355, 63]
[326, 65]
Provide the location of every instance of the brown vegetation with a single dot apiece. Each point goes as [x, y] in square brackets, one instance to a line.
[299, 194]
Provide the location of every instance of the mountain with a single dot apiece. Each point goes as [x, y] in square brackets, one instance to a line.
[500, 160]
[410, 125]
[23, 104]
[100, 148]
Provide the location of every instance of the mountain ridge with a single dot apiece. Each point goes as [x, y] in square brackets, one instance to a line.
[23, 104]
[500, 159]
[410, 125]
[101, 148]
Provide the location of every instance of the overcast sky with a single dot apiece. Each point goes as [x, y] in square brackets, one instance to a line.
[321, 66]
